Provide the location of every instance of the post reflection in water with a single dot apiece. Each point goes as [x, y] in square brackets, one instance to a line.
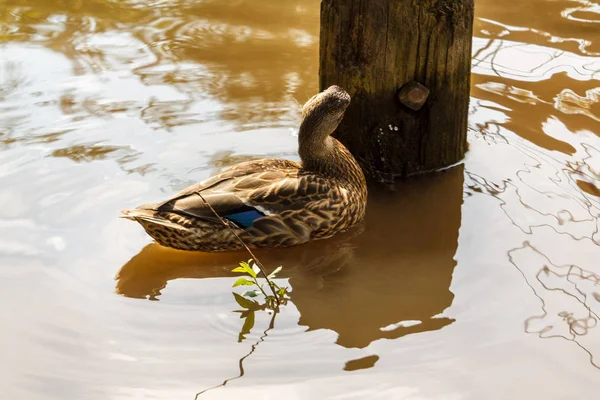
[105, 104]
[385, 279]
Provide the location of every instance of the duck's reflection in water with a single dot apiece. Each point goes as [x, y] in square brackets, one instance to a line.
[386, 279]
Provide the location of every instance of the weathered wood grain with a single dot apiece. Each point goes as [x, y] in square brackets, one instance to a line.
[372, 48]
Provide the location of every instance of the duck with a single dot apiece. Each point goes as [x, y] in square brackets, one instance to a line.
[270, 202]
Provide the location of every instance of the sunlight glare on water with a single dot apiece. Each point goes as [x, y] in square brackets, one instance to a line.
[480, 282]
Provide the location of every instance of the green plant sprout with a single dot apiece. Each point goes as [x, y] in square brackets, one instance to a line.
[249, 307]
[272, 302]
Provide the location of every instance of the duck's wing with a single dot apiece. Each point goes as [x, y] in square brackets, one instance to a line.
[244, 198]
[293, 193]
[228, 192]
[301, 204]
[242, 170]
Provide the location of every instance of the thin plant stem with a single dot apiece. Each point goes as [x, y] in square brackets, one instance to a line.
[256, 260]
[260, 287]
[241, 361]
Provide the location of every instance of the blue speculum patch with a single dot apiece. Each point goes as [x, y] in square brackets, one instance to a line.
[244, 219]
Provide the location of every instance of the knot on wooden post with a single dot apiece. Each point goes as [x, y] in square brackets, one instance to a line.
[413, 95]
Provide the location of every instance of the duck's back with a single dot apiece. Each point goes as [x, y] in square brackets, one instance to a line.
[268, 203]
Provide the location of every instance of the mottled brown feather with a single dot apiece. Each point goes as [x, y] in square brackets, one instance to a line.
[315, 199]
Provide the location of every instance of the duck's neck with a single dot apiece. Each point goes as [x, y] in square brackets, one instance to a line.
[320, 153]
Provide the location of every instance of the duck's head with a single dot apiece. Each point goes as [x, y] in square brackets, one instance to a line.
[318, 151]
[322, 114]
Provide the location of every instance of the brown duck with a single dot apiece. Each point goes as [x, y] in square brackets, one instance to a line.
[269, 202]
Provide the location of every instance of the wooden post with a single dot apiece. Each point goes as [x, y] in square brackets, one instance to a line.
[406, 64]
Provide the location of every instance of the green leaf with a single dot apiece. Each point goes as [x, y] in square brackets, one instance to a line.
[245, 303]
[245, 267]
[251, 293]
[273, 274]
[249, 269]
[243, 282]
[247, 327]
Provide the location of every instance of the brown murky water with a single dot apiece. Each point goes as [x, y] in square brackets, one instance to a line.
[482, 282]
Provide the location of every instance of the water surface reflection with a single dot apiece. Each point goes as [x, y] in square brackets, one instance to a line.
[106, 104]
[241, 53]
[371, 283]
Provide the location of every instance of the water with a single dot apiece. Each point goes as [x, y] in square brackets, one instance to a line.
[479, 282]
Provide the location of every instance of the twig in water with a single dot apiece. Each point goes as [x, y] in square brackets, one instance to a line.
[256, 260]
[241, 361]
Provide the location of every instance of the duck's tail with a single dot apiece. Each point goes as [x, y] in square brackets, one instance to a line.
[147, 217]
